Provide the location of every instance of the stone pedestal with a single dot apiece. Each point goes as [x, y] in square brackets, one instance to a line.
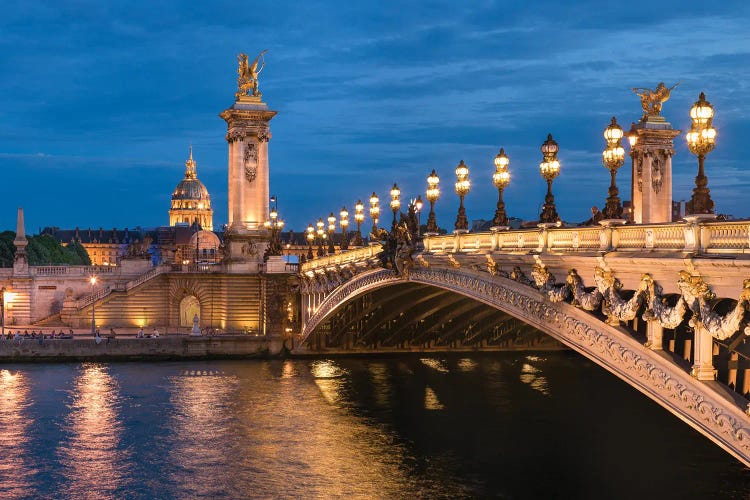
[243, 250]
[652, 171]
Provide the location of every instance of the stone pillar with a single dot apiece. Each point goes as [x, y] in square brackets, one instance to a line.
[703, 363]
[652, 176]
[654, 334]
[20, 261]
[248, 134]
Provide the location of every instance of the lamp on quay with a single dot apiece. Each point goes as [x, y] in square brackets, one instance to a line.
[310, 235]
[331, 230]
[374, 211]
[549, 169]
[501, 179]
[92, 280]
[462, 187]
[321, 233]
[701, 140]
[395, 203]
[344, 223]
[359, 218]
[432, 194]
[613, 158]
[2, 311]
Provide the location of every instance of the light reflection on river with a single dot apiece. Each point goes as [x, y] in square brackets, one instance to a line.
[505, 425]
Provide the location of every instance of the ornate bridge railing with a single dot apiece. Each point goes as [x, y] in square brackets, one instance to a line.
[706, 237]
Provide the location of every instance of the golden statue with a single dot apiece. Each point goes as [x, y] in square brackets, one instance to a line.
[247, 80]
[651, 100]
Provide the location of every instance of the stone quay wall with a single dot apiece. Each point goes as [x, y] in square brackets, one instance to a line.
[166, 347]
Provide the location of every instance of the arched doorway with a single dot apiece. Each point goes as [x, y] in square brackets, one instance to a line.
[189, 307]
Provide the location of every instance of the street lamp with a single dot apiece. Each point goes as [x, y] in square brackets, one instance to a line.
[395, 203]
[359, 218]
[92, 280]
[374, 212]
[501, 179]
[549, 169]
[344, 222]
[310, 235]
[632, 136]
[321, 232]
[701, 140]
[462, 189]
[331, 230]
[275, 225]
[2, 312]
[418, 204]
[613, 158]
[432, 194]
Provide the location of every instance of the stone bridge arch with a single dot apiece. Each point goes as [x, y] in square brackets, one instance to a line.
[699, 404]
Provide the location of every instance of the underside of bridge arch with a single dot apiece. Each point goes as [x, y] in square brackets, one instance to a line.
[412, 316]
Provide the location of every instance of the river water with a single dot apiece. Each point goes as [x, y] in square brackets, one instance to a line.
[506, 425]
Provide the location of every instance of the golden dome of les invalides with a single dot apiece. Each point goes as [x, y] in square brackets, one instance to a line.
[190, 200]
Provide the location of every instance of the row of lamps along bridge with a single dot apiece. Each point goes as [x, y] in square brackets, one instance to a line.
[700, 140]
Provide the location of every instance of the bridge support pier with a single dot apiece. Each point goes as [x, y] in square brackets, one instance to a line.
[703, 365]
[654, 334]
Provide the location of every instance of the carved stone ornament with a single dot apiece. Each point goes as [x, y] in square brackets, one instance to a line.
[250, 161]
[639, 173]
[235, 135]
[656, 173]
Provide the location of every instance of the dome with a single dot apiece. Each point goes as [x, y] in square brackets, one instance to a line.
[191, 189]
[191, 202]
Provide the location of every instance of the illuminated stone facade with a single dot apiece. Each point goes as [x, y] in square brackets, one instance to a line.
[191, 202]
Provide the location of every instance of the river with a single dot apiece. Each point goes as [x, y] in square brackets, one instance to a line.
[504, 425]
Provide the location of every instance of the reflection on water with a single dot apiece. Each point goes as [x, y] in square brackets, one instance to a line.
[532, 376]
[507, 426]
[91, 462]
[200, 441]
[15, 467]
[431, 401]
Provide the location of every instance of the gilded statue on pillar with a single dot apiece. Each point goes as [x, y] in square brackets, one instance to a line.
[247, 79]
[651, 100]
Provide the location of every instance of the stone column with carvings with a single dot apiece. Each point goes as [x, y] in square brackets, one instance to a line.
[248, 133]
[652, 176]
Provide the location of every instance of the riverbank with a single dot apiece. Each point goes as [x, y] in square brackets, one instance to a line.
[138, 349]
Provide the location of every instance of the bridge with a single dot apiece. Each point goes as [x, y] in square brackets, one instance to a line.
[661, 306]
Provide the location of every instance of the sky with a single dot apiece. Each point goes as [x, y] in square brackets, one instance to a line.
[99, 101]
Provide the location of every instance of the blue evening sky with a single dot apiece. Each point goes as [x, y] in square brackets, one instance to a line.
[99, 101]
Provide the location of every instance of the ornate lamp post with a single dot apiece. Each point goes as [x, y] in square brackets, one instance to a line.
[501, 179]
[274, 224]
[632, 136]
[374, 211]
[701, 140]
[549, 168]
[310, 235]
[433, 194]
[613, 158]
[92, 280]
[331, 230]
[321, 233]
[344, 222]
[395, 203]
[462, 189]
[418, 204]
[359, 218]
